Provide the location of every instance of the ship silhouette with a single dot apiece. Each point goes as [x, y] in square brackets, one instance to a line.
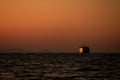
[84, 50]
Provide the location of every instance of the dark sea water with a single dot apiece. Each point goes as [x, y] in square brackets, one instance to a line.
[59, 66]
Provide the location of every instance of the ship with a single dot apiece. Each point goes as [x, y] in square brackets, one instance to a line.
[84, 50]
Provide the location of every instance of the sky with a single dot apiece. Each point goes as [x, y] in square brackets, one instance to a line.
[59, 25]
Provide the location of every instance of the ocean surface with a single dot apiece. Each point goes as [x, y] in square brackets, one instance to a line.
[53, 66]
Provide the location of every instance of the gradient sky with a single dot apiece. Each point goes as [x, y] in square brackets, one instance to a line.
[60, 25]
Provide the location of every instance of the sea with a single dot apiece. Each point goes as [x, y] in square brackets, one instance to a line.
[59, 66]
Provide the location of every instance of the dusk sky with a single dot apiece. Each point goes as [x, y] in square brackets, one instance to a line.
[60, 25]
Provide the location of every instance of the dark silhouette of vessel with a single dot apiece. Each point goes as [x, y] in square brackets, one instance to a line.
[84, 50]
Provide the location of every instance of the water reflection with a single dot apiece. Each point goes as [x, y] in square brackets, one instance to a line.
[59, 67]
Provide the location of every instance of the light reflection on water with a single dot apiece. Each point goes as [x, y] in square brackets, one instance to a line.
[59, 67]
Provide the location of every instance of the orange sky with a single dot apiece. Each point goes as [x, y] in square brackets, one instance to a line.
[60, 25]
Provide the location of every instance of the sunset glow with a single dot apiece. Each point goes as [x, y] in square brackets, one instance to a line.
[81, 50]
[59, 25]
